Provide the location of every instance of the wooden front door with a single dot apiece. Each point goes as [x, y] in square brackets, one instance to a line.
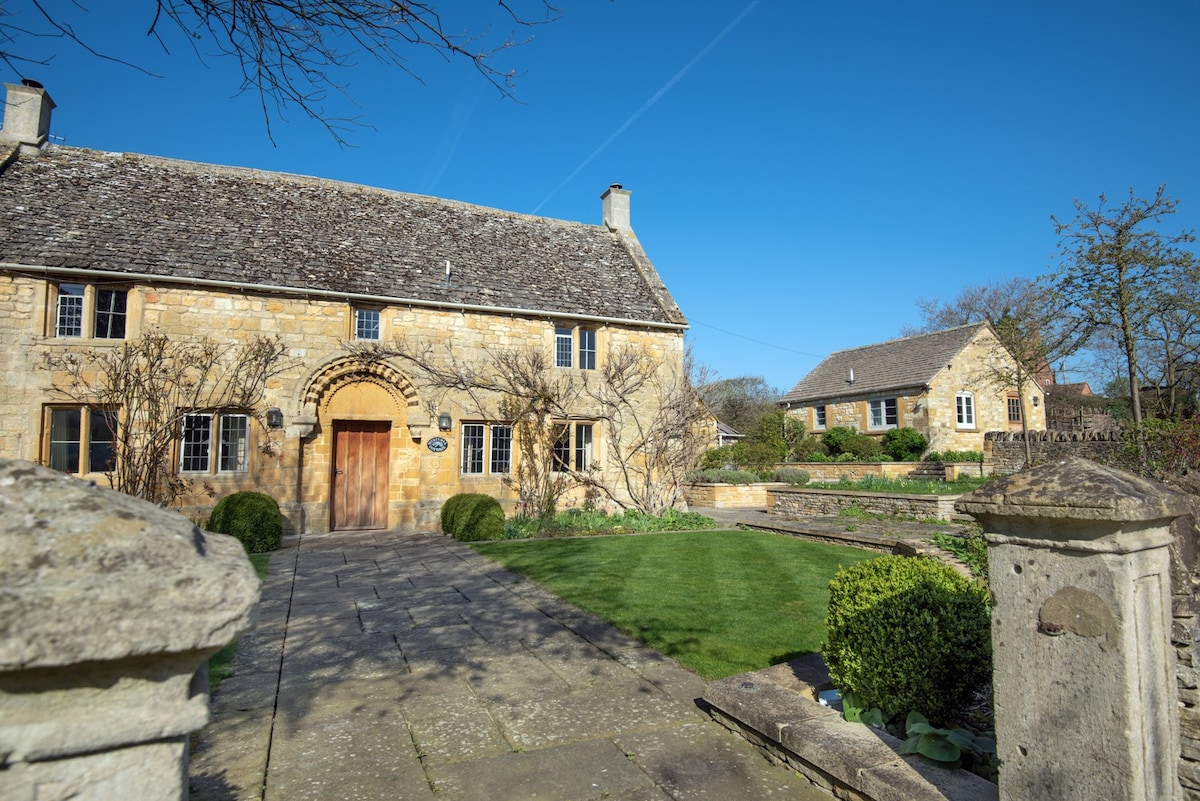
[360, 474]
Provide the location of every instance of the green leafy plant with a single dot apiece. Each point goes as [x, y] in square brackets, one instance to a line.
[951, 748]
[855, 711]
[472, 517]
[252, 517]
[908, 633]
[904, 444]
[969, 547]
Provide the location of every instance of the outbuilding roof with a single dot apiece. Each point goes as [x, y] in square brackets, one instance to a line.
[883, 367]
[67, 207]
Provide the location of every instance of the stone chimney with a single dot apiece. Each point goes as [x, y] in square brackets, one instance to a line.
[26, 113]
[615, 208]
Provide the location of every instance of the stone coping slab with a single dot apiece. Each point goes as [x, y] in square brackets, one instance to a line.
[776, 710]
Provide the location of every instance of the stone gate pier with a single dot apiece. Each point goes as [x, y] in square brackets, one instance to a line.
[1084, 677]
[109, 610]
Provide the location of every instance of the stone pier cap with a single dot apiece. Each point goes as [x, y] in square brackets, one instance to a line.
[90, 575]
[1076, 503]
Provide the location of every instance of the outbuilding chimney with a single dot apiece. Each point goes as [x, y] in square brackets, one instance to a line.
[615, 207]
[27, 110]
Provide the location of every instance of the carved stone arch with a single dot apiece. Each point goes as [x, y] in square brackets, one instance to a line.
[349, 370]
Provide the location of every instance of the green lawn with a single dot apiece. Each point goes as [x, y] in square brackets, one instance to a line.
[721, 602]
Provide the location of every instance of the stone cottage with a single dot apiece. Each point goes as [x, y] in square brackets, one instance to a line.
[942, 384]
[102, 248]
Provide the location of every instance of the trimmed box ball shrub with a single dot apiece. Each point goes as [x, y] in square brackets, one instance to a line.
[908, 634]
[471, 517]
[252, 517]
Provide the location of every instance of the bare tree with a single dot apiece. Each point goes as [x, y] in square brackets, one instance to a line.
[290, 52]
[651, 445]
[149, 385]
[1112, 268]
[1031, 332]
[651, 415]
[740, 402]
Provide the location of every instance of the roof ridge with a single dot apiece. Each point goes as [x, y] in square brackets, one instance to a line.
[898, 340]
[309, 180]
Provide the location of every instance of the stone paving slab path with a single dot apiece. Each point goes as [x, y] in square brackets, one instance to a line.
[389, 666]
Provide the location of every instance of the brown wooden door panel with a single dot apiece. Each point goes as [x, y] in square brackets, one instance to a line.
[360, 474]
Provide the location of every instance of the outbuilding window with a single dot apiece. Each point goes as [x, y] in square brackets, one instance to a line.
[883, 413]
[964, 403]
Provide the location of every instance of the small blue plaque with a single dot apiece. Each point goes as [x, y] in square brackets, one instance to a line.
[438, 444]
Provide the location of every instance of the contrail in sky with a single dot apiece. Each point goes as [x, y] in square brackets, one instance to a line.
[666, 87]
[456, 126]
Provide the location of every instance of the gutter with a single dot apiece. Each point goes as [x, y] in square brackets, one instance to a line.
[246, 287]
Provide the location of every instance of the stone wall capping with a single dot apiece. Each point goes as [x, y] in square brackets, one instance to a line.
[1093, 492]
[110, 608]
[774, 708]
[67, 546]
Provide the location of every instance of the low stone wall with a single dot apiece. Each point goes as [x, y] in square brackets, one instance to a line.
[801, 502]
[1005, 450]
[728, 496]
[776, 710]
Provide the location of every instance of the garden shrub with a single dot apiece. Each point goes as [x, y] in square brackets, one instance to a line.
[471, 517]
[865, 447]
[755, 455]
[904, 444]
[835, 439]
[717, 458]
[953, 456]
[847, 445]
[253, 518]
[722, 476]
[792, 475]
[810, 449]
[908, 634]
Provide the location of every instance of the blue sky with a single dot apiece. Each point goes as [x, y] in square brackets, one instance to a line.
[801, 173]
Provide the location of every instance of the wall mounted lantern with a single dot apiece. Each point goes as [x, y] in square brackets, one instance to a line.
[444, 421]
[274, 418]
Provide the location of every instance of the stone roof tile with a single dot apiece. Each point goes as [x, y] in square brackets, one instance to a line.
[128, 213]
[883, 367]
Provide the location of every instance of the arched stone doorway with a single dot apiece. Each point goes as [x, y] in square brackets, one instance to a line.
[361, 464]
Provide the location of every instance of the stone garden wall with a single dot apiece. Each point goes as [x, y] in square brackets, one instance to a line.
[728, 496]
[801, 502]
[1006, 449]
